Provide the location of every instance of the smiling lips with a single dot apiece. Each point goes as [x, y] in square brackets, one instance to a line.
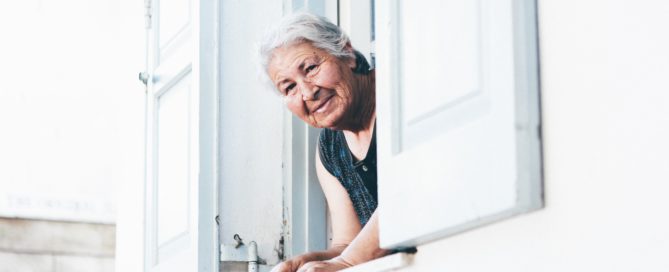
[323, 105]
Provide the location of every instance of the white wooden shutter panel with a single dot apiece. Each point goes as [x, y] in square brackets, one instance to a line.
[181, 161]
[458, 119]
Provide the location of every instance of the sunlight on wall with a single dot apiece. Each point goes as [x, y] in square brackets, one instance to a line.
[72, 122]
[70, 106]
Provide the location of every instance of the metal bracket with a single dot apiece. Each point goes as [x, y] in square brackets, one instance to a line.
[241, 252]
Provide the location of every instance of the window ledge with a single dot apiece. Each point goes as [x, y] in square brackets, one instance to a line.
[387, 263]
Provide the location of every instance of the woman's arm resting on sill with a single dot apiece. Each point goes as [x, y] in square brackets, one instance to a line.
[365, 247]
[345, 224]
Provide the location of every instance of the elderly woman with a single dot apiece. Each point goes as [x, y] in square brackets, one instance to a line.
[329, 85]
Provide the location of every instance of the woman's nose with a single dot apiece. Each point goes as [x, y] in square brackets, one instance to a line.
[310, 91]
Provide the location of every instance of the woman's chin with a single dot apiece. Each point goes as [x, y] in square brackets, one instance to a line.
[330, 120]
[325, 124]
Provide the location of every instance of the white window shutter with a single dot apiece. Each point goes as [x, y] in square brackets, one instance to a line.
[458, 119]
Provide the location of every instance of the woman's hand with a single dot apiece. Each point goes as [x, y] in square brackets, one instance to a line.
[335, 264]
[293, 264]
[290, 265]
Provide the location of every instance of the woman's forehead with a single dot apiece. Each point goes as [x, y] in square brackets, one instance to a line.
[288, 54]
[287, 58]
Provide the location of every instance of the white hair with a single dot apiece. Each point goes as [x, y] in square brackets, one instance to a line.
[304, 27]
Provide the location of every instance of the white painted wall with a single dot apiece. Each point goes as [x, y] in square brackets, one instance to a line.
[63, 104]
[252, 141]
[67, 96]
[71, 114]
[605, 99]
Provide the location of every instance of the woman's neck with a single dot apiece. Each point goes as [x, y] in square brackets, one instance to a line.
[359, 141]
[359, 134]
[363, 112]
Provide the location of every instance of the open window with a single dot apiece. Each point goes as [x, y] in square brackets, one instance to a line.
[309, 228]
[457, 119]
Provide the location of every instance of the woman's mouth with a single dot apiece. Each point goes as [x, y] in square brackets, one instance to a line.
[323, 106]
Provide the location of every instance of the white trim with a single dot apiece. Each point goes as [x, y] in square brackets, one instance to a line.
[208, 40]
[529, 142]
[387, 263]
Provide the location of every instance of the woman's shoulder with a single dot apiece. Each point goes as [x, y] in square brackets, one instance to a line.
[327, 136]
[329, 142]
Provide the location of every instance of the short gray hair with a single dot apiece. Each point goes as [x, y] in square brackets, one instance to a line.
[304, 27]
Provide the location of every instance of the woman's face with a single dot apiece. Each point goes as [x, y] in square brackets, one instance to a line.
[317, 87]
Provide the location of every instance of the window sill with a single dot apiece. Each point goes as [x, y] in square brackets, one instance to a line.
[386, 263]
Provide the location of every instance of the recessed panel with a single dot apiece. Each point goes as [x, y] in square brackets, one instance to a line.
[439, 56]
[174, 16]
[173, 158]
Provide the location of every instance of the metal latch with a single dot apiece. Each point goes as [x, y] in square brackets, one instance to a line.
[144, 77]
[240, 252]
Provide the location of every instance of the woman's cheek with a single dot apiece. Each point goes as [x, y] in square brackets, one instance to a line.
[298, 109]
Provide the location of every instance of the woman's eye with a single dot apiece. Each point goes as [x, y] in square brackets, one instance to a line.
[289, 88]
[310, 68]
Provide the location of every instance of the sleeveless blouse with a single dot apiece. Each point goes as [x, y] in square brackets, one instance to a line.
[357, 177]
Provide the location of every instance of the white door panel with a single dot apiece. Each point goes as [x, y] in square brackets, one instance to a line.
[452, 136]
[180, 132]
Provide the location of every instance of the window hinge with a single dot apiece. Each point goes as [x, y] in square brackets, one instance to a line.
[241, 252]
[147, 15]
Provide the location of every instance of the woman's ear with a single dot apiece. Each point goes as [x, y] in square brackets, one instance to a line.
[350, 62]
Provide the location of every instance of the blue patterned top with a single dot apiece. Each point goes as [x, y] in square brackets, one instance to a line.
[357, 177]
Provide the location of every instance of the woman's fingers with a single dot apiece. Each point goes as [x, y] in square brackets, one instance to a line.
[310, 266]
[322, 266]
[279, 268]
[284, 267]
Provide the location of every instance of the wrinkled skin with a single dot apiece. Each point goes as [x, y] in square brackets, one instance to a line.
[292, 265]
[287, 266]
[321, 89]
[335, 264]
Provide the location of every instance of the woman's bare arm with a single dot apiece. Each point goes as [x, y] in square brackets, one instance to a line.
[345, 224]
[362, 248]
[365, 246]
[344, 219]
